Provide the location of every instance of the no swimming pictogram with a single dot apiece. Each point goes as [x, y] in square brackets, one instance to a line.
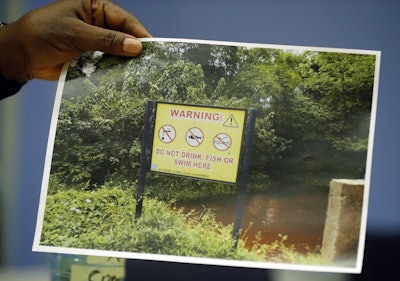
[222, 142]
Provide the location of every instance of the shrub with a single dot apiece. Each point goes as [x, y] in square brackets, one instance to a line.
[104, 220]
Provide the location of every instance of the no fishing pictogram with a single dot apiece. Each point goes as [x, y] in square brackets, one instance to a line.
[194, 137]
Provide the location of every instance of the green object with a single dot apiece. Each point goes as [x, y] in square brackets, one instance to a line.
[82, 268]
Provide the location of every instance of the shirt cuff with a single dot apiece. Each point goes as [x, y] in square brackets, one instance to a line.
[9, 88]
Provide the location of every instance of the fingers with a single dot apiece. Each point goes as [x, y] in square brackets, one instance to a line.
[112, 30]
[119, 19]
[94, 38]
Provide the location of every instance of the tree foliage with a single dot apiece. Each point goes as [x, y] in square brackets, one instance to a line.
[312, 120]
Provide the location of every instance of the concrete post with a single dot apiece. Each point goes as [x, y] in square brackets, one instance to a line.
[343, 219]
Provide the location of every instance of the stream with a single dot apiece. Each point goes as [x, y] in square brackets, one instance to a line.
[298, 212]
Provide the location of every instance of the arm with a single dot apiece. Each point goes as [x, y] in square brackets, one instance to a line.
[40, 42]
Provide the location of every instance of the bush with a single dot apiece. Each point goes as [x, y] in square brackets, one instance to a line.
[104, 220]
[88, 219]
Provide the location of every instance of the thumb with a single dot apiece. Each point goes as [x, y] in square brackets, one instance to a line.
[112, 42]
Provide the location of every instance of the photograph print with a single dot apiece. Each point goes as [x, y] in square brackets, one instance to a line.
[306, 197]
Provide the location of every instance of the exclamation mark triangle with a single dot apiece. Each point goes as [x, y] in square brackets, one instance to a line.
[231, 122]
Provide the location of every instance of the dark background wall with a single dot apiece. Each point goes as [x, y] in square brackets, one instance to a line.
[357, 24]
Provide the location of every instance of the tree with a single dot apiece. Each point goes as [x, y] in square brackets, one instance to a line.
[312, 109]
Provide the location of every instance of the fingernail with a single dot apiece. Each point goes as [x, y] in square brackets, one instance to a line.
[131, 46]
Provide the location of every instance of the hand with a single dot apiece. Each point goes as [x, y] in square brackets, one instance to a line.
[40, 42]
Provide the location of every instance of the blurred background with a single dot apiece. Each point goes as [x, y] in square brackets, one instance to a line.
[357, 24]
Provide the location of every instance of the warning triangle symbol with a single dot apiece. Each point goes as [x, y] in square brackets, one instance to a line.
[231, 122]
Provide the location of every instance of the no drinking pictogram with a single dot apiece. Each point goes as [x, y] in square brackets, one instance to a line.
[222, 142]
[166, 133]
[194, 137]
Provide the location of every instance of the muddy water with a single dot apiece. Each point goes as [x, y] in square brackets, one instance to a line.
[298, 212]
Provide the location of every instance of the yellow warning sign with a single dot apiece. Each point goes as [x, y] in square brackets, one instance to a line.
[197, 141]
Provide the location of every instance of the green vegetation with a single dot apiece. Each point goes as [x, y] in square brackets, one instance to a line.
[103, 219]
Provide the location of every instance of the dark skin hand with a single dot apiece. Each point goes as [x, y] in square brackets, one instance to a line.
[40, 42]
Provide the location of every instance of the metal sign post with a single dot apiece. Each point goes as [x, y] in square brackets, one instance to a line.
[244, 176]
[144, 157]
